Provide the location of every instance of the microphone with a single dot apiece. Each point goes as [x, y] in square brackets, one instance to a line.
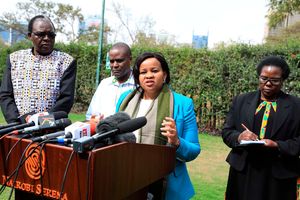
[57, 115]
[42, 122]
[52, 136]
[48, 136]
[58, 124]
[36, 118]
[88, 128]
[112, 121]
[62, 140]
[12, 128]
[9, 125]
[87, 143]
[80, 129]
[123, 127]
[75, 131]
[109, 123]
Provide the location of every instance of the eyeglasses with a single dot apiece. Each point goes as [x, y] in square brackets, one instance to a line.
[51, 35]
[273, 81]
[120, 60]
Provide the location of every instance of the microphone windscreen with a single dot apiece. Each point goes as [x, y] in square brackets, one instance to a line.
[125, 137]
[60, 114]
[111, 122]
[132, 125]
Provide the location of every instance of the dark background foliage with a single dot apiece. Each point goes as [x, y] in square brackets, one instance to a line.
[210, 77]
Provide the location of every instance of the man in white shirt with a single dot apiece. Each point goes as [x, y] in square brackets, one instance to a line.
[109, 90]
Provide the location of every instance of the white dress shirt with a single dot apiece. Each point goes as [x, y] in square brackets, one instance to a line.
[106, 96]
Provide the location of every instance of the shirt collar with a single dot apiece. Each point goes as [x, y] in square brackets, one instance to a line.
[130, 80]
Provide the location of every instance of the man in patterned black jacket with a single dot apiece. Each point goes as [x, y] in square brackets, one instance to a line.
[39, 79]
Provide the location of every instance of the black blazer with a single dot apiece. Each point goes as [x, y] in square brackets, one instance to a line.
[285, 131]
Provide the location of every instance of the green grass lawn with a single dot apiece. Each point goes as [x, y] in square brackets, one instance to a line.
[208, 171]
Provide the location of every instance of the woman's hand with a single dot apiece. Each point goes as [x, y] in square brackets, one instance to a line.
[247, 135]
[270, 143]
[169, 130]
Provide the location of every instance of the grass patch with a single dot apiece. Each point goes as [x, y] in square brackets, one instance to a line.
[2, 120]
[209, 171]
[76, 117]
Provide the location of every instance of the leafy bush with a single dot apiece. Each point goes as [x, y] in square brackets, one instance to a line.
[210, 77]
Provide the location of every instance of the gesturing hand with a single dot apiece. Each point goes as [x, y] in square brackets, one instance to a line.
[168, 129]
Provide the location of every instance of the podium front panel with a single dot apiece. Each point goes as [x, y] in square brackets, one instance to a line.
[112, 172]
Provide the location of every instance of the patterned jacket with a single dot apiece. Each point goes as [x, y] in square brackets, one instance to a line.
[36, 83]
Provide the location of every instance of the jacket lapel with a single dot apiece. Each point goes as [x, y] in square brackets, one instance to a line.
[283, 110]
[250, 110]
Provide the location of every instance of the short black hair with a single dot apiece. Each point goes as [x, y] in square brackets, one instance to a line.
[32, 20]
[122, 45]
[146, 55]
[275, 61]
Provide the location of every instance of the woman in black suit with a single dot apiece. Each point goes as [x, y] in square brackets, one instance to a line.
[268, 171]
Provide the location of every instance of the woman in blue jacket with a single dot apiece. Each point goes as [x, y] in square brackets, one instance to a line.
[170, 119]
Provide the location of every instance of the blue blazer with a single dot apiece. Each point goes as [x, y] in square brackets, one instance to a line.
[179, 186]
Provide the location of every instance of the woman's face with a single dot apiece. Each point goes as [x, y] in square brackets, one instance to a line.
[151, 77]
[270, 82]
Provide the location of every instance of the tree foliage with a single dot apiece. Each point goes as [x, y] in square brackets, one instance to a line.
[91, 34]
[140, 32]
[65, 17]
[280, 10]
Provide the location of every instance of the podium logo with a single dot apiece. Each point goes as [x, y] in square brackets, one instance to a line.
[35, 163]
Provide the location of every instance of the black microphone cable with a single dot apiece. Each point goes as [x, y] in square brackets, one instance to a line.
[11, 175]
[12, 148]
[42, 144]
[5, 135]
[17, 170]
[41, 170]
[40, 161]
[65, 174]
[67, 168]
[21, 162]
[5, 162]
[2, 188]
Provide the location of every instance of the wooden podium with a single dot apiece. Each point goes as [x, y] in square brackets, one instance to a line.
[119, 171]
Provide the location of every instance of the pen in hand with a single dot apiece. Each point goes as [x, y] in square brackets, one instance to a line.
[245, 127]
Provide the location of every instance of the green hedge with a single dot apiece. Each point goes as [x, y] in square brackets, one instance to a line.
[210, 77]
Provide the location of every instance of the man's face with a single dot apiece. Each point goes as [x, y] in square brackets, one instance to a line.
[42, 37]
[120, 64]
